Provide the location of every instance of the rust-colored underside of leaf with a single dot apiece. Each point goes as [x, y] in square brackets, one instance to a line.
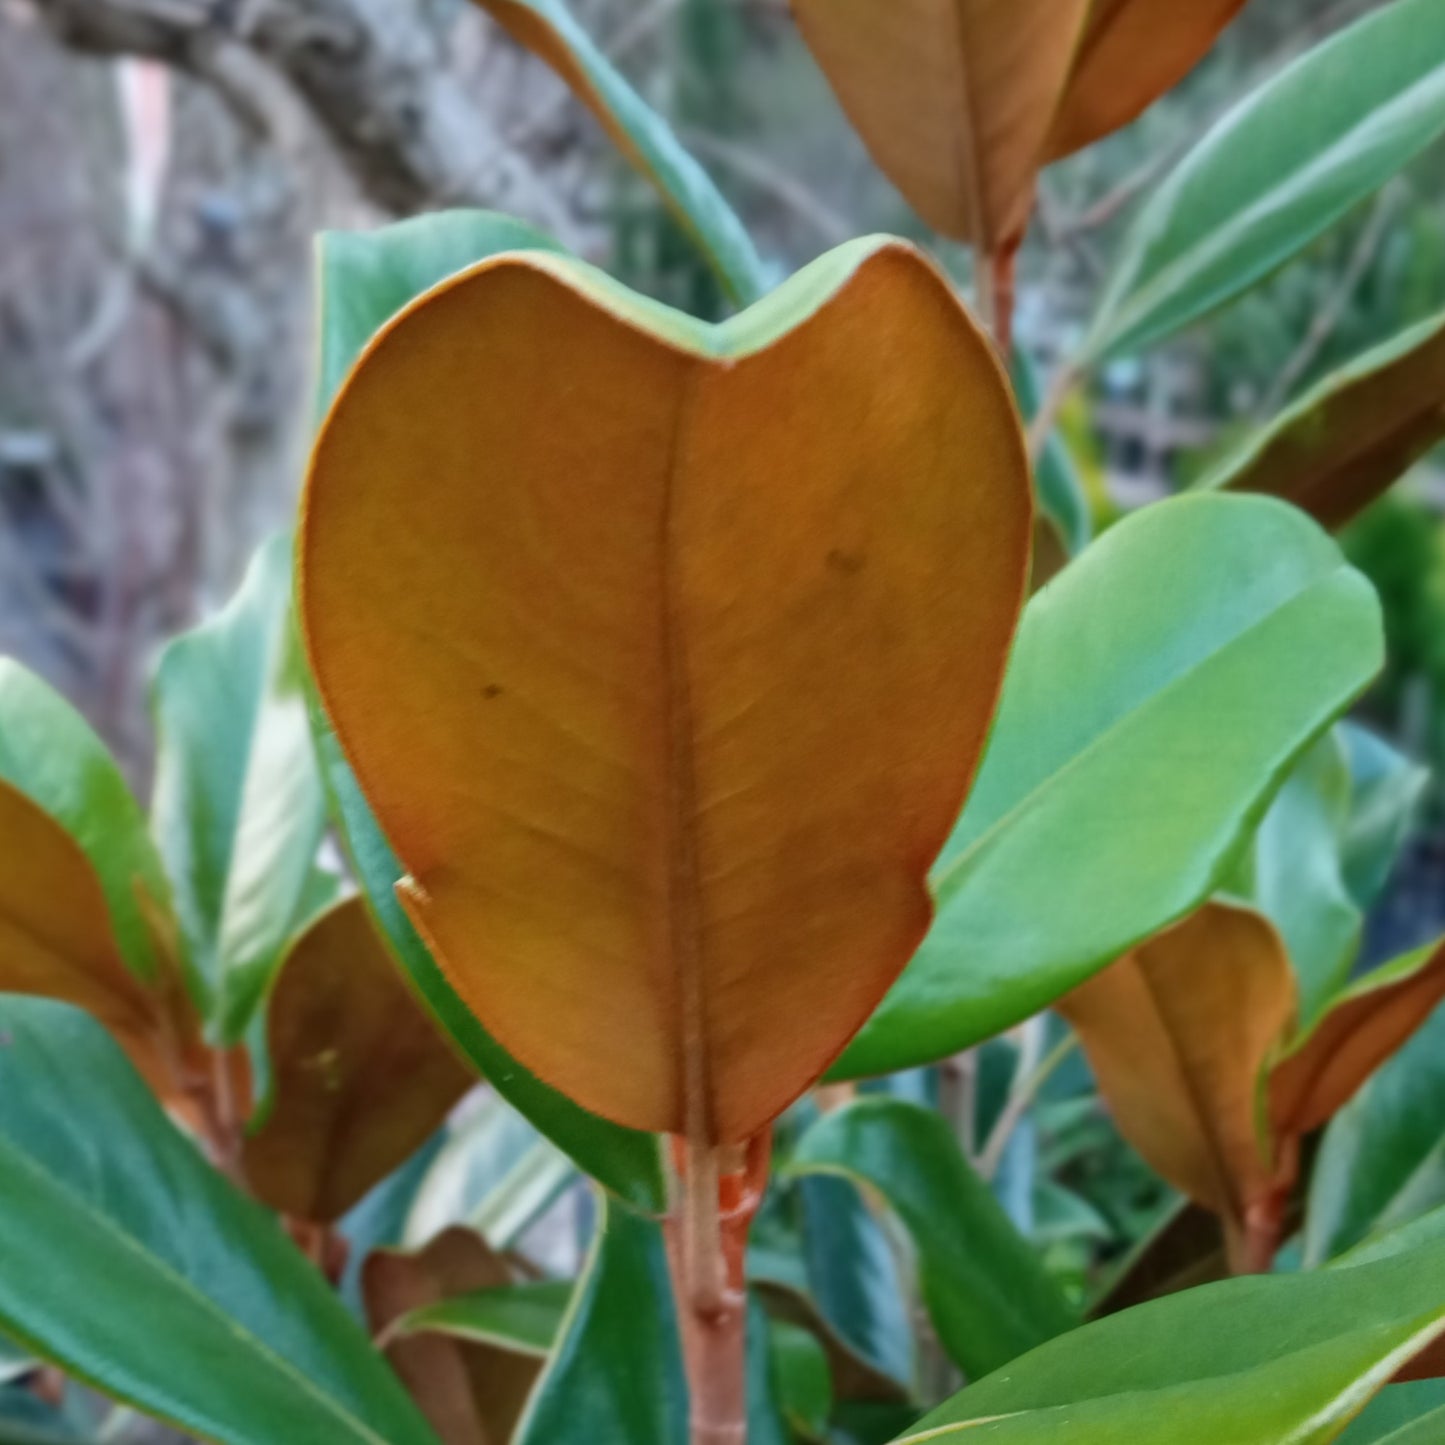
[666, 672]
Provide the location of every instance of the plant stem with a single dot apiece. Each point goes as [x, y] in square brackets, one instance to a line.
[719, 1192]
[999, 267]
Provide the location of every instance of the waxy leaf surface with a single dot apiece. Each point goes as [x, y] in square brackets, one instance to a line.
[238, 810]
[1252, 1361]
[548, 29]
[954, 98]
[1281, 168]
[1355, 434]
[1131, 52]
[1200, 645]
[985, 1287]
[131, 1263]
[710, 656]
[360, 1075]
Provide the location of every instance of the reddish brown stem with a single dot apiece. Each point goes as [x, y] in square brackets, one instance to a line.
[1254, 1241]
[1000, 267]
[707, 1233]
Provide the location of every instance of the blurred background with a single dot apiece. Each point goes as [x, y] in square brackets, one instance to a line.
[165, 165]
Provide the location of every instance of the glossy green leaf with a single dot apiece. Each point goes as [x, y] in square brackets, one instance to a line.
[53, 756]
[238, 810]
[366, 277]
[1093, 825]
[623, 1160]
[985, 1288]
[1253, 1361]
[131, 1263]
[1281, 168]
[1385, 790]
[547, 28]
[1382, 1159]
[1355, 434]
[616, 1373]
[1429, 1429]
[521, 1317]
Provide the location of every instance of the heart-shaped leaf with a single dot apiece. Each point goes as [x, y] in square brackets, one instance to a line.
[1095, 824]
[137, 1268]
[547, 28]
[711, 656]
[1251, 1361]
[360, 1076]
[1355, 434]
[238, 810]
[986, 1290]
[1278, 170]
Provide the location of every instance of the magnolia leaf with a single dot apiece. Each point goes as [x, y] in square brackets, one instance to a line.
[238, 811]
[473, 1393]
[985, 1288]
[1131, 52]
[1276, 172]
[133, 1265]
[1385, 791]
[734, 740]
[954, 98]
[56, 939]
[1362, 1027]
[52, 755]
[1253, 1361]
[1094, 825]
[805, 1383]
[547, 28]
[365, 277]
[1355, 434]
[522, 1318]
[1178, 1033]
[361, 1077]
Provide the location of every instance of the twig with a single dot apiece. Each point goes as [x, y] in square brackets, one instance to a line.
[1020, 1100]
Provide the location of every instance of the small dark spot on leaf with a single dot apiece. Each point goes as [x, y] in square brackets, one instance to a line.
[848, 563]
[491, 690]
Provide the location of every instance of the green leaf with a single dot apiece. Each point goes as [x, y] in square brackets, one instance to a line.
[1254, 1361]
[525, 1318]
[1281, 168]
[1058, 488]
[1298, 879]
[238, 811]
[616, 1373]
[804, 1381]
[1385, 791]
[547, 28]
[1429, 1429]
[136, 1267]
[1351, 437]
[985, 1288]
[1134, 751]
[625, 1161]
[1381, 1162]
[52, 755]
[366, 277]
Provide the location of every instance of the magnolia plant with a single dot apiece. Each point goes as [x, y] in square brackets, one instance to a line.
[720, 794]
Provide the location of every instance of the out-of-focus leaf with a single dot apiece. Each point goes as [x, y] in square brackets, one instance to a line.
[52, 755]
[1281, 168]
[1057, 486]
[804, 1382]
[702, 697]
[472, 1389]
[1178, 1032]
[1186, 1249]
[1385, 790]
[361, 1077]
[522, 1318]
[1134, 800]
[106, 1205]
[1131, 52]
[1382, 1160]
[986, 1290]
[625, 1161]
[238, 810]
[954, 98]
[1361, 1028]
[616, 1373]
[365, 277]
[1252, 1361]
[1297, 872]
[547, 28]
[1353, 435]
